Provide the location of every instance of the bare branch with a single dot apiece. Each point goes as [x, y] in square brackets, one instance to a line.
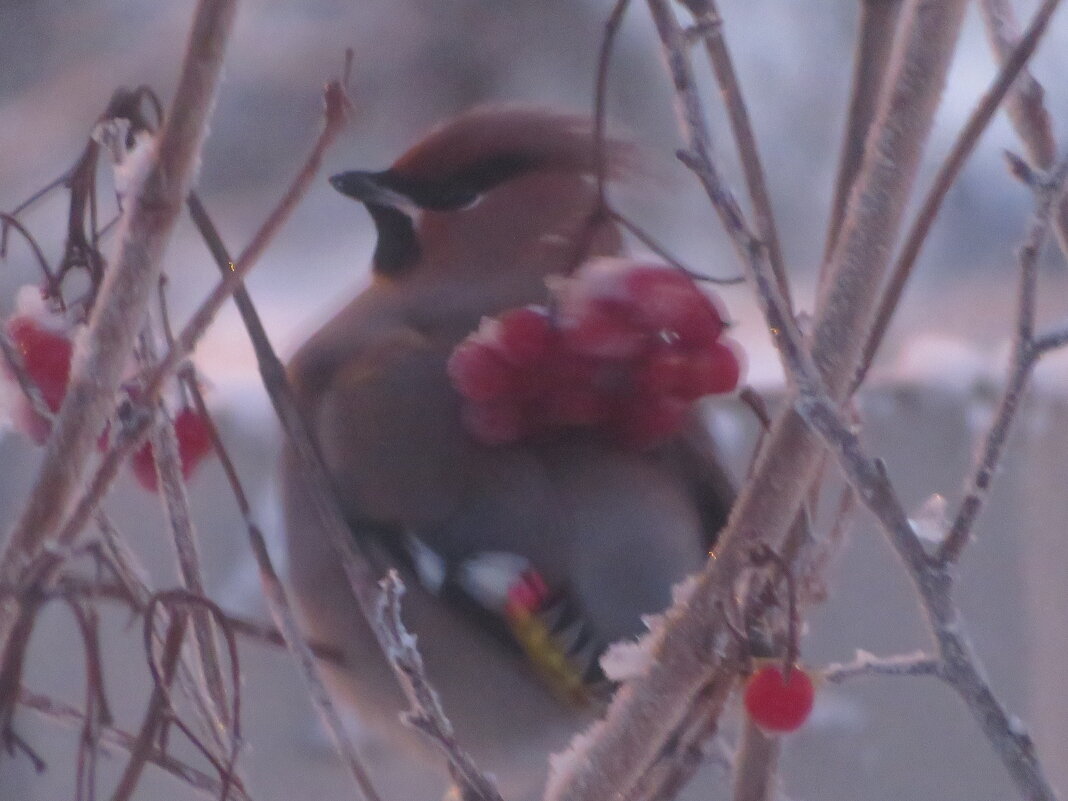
[274, 591]
[98, 367]
[117, 741]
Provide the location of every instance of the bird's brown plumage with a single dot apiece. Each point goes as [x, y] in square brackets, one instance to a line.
[612, 528]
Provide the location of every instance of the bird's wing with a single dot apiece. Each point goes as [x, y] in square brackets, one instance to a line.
[700, 466]
[387, 426]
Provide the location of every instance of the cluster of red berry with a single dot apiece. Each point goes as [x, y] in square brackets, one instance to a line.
[46, 348]
[627, 349]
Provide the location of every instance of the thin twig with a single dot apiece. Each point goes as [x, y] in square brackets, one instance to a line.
[600, 102]
[1025, 107]
[155, 714]
[605, 209]
[426, 714]
[174, 601]
[15, 365]
[117, 741]
[9, 221]
[654, 245]
[1024, 357]
[336, 105]
[708, 21]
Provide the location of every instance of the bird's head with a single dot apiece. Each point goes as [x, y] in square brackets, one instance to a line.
[481, 187]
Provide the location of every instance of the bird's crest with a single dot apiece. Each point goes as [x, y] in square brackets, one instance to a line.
[491, 144]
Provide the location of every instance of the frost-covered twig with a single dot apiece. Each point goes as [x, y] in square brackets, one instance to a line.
[708, 21]
[917, 663]
[931, 576]
[120, 310]
[1012, 71]
[875, 39]
[426, 714]
[1025, 106]
[1024, 356]
[688, 648]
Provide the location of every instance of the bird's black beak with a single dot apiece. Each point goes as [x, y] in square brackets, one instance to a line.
[369, 188]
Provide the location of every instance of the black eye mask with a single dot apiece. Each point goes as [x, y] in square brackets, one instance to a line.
[461, 189]
[390, 198]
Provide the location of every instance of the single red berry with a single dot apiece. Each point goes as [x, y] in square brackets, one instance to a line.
[667, 300]
[496, 422]
[777, 703]
[479, 371]
[144, 467]
[722, 369]
[644, 420]
[665, 370]
[526, 335]
[194, 439]
[604, 329]
[46, 355]
[194, 443]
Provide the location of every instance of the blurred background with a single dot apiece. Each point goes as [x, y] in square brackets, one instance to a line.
[418, 61]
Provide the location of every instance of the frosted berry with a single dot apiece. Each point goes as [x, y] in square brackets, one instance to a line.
[605, 329]
[777, 703]
[526, 335]
[480, 372]
[496, 423]
[194, 440]
[46, 355]
[668, 301]
[645, 421]
[194, 444]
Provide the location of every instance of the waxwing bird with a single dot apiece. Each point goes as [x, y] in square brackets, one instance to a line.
[524, 561]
